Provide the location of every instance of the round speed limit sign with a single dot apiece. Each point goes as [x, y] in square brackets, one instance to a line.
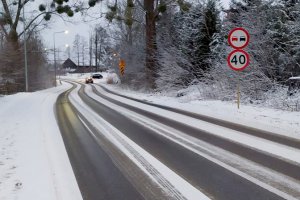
[238, 60]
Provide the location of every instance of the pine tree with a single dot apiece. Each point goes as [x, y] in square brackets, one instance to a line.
[194, 32]
[207, 31]
[285, 33]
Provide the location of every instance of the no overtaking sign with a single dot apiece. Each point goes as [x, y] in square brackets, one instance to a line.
[238, 38]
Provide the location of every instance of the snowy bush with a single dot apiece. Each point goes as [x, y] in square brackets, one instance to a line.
[171, 75]
[113, 78]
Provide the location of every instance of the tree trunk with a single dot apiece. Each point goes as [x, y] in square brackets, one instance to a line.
[130, 41]
[13, 39]
[91, 51]
[150, 43]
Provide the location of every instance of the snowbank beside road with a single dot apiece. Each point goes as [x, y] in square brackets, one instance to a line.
[33, 160]
[273, 120]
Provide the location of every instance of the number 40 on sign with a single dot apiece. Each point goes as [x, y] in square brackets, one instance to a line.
[238, 60]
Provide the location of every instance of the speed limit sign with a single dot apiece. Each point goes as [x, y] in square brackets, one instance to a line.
[238, 60]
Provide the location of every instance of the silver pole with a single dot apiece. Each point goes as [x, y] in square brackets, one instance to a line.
[54, 60]
[25, 51]
[55, 54]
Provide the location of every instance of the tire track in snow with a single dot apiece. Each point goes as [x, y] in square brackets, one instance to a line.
[149, 164]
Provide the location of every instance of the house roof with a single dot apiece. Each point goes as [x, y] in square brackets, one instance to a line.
[69, 64]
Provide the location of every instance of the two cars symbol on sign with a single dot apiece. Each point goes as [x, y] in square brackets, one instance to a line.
[238, 38]
[238, 60]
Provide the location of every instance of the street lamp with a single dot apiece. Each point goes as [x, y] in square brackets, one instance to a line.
[66, 32]
[25, 50]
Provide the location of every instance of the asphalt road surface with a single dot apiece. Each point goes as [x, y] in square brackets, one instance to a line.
[105, 171]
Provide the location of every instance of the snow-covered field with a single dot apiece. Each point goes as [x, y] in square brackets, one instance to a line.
[33, 160]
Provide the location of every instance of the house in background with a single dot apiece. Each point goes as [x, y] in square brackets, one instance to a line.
[70, 67]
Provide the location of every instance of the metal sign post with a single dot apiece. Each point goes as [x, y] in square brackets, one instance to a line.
[238, 91]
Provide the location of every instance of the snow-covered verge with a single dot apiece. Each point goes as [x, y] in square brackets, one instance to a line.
[274, 120]
[33, 160]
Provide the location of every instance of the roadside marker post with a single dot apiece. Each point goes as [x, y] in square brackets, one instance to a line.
[122, 65]
[238, 59]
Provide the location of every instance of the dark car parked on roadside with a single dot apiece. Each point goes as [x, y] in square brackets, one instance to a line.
[97, 76]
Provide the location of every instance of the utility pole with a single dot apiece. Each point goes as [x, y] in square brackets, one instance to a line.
[66, 32]
[91, 49]
[96, 54]
[25, 51]
[100, 51]
[83, 51]
[68, 50]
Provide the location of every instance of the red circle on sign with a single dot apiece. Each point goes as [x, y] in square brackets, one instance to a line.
[238, 29]
[247, 60]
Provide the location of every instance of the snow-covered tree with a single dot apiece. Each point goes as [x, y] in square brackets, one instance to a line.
[172, 72]
[151, 10]
[284, 29]
[76, 47]
[102, 46]
[194, 31]
[259, 76]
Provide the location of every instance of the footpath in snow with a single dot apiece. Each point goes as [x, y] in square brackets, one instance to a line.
[33, 160]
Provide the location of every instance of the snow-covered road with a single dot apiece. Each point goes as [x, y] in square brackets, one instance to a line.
[251, 159]
[123, 148]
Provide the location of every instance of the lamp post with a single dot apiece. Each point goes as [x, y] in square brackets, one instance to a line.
[66, 32]
[25, 51]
